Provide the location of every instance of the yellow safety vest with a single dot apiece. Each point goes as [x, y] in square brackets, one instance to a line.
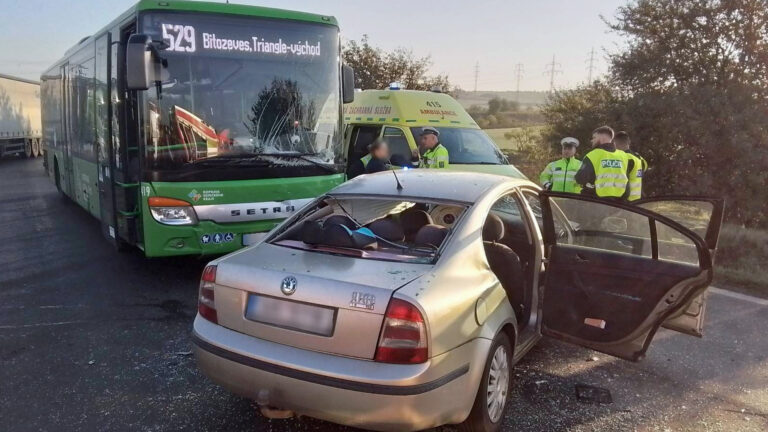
[610, 172]
[365, 159]
[636, 176]
[436, 157]
[560, 174]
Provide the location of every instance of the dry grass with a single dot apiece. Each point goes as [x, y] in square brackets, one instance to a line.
[742, 260]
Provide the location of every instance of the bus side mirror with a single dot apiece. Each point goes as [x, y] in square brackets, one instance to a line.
[143, 64]
[347, 84]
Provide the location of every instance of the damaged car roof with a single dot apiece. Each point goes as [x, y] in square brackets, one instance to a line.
[464, 187]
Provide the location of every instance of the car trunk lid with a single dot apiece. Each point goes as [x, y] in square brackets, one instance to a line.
[309, 300]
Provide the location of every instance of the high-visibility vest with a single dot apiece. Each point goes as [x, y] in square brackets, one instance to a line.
[560, 174]
[365, 159]
[636, 176]
[436, 158]
[610, 172]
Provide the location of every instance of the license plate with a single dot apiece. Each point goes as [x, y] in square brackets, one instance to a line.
[253, 238]
[291, 315]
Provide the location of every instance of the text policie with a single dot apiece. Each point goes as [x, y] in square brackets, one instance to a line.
[257, 45]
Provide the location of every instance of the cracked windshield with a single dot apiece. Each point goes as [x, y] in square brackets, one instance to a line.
[244, 93]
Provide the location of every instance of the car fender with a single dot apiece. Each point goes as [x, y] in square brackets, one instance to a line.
[499, 314]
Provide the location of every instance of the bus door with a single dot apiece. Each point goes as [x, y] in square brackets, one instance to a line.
[105, 152]
[63, 168]
[125, 145]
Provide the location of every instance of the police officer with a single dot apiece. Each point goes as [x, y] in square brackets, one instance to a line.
[558, 176]
[636, 164]
[434, 154]
[603, 171]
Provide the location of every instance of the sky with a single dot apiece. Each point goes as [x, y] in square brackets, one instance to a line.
[458, 34]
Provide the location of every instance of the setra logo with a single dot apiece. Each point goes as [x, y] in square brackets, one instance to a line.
[194, 195]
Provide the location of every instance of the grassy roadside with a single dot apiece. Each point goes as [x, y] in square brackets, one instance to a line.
[742, 260]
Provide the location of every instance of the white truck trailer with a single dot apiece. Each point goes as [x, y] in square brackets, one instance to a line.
[20, 129]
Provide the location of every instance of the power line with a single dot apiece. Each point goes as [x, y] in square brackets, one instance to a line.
[477, 71]
[519, 71]
[552, 69]
[591, 67]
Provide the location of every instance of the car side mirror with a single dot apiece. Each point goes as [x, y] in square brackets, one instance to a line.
[144, 66]
[614, 225]
[347, 84]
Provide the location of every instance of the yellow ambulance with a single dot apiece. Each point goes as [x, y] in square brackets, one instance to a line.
[397, 116]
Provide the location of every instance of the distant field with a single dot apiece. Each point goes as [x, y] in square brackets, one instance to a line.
[525, 98]
[497, 135]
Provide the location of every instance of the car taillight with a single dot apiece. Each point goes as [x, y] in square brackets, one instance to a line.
[171, 211]
[403, 335]
[206, 306]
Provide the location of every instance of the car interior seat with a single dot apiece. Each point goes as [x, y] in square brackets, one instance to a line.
[340, 219]
[431, 235]
[504, 262]
[412, 220]
[388, 229]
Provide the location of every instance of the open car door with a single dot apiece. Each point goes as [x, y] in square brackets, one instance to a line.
[704, 216]
[615, 272]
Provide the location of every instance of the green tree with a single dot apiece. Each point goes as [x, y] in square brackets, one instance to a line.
[376, 68]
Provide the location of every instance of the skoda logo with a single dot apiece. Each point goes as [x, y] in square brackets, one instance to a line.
[288, 286]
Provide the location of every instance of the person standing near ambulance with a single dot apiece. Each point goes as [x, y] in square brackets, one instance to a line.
[558, 176]
[637, 166]
[434, 154]
[603, 171]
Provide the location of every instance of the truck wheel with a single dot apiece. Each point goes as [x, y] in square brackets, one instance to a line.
[28, 148]
[487, 413]
[36, 148]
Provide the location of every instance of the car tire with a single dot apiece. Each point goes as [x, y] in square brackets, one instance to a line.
[28, 148]
[486, 417]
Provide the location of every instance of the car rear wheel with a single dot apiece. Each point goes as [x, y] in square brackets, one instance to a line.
[488, 410]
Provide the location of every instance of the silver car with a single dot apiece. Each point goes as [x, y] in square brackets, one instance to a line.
[403, 303]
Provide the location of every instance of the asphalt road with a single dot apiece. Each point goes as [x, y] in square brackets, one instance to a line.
[94, 339]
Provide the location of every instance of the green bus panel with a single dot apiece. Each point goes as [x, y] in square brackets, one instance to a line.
[167, 240]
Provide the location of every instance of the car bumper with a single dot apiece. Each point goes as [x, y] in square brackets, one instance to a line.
[343, 390]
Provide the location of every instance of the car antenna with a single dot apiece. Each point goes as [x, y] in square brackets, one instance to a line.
[399, 185]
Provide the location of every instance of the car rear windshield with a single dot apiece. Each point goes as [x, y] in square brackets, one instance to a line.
[372, 228]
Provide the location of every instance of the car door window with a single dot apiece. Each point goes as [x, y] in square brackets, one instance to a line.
[398, 145]
[601, 226]
[702, 215]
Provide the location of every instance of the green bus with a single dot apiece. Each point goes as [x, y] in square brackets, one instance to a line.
[191, 127]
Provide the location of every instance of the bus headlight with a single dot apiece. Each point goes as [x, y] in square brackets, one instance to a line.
[171, 211]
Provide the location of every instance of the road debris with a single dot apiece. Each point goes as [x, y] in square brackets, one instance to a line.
[588, 393]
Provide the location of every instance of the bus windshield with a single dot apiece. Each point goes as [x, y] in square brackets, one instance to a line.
[243, 94]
